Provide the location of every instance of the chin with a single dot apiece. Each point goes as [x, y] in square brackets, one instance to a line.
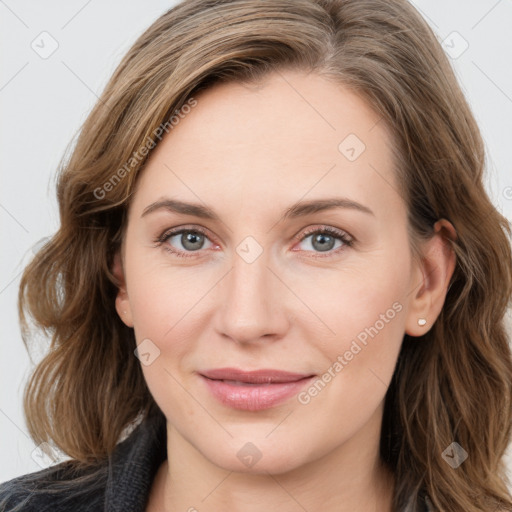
[258, 457]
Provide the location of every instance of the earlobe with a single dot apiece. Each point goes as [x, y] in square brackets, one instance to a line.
[122, 301]
[436, 269]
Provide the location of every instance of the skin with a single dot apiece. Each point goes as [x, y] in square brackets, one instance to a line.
[249, 152]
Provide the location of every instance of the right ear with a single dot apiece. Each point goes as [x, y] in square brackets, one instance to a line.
[122, 301]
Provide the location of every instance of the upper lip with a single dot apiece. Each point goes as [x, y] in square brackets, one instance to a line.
[262, 376]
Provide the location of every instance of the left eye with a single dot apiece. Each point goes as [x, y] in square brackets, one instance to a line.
[325, 239]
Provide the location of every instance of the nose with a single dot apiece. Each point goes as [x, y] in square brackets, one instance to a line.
[253, 302]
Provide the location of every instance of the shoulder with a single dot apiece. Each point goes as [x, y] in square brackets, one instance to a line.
[48, 490]
[125, 477]
[15, 494]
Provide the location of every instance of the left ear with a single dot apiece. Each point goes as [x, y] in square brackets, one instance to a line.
[433, 277]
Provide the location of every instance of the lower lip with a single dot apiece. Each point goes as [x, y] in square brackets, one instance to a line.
[254, 397]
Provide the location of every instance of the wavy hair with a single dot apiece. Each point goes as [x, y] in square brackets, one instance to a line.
[452, 385]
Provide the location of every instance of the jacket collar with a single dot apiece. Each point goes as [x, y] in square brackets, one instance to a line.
[133, 466]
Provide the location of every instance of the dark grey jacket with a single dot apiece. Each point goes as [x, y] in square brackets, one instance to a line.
[122, 484]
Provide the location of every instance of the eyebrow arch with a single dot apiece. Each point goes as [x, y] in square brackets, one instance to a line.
[303, 208]
[173, 205]
[300, 209]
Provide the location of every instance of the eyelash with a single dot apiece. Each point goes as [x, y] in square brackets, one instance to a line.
[336, 233]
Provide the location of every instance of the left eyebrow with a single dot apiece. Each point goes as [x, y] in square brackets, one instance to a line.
[304, 208]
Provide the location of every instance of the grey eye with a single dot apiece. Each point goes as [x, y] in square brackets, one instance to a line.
[321, 242]
[190, 240]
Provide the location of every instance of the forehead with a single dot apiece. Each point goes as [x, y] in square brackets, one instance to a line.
[257, 145]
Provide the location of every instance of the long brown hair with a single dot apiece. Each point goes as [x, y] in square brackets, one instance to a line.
[453, 385]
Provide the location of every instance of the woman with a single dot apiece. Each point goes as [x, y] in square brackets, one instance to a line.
[278, 283]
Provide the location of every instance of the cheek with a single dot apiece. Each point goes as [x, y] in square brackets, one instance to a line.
[359, 357]
[162, 303]
[162, 296]
[168, 309]
[359, 301]
[362, 312]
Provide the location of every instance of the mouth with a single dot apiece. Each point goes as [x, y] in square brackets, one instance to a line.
[253, 390]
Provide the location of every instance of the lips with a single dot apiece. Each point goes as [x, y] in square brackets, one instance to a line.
[253, 390]
[253, 377]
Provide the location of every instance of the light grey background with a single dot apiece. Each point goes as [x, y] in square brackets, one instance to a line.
[44, 101]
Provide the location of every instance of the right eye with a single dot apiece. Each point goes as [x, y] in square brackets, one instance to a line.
[180, 241]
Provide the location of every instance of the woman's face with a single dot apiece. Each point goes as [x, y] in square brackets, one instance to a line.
[250, 284]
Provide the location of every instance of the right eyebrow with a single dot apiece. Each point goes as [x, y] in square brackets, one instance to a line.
[173, 205]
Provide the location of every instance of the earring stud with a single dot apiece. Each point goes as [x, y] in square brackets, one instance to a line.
[422, 321]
